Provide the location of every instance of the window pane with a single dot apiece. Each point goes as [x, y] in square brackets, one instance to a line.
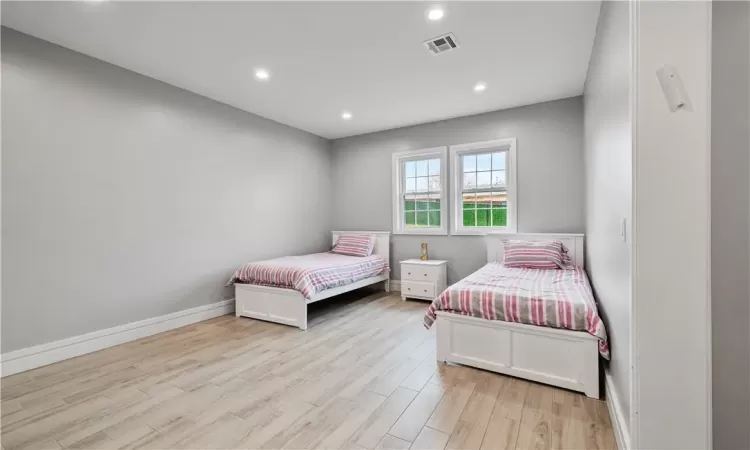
[434, 217]
[470, 180]
[422, 201]
[434, 203]
[422, 184]
[484, 162]
[469, 200]
[421, 218]
[409, 204]
[434, 183]
[469, 218]
[499, 204]
[483, 218]
[498, 161]
[422, 168]
[484, 180]
[499, 199]
[469, 163]
[499, 216]
[434, 168]
[484, 200]
[409, 218]
[498, 178]
[411, 185]
[410, 169]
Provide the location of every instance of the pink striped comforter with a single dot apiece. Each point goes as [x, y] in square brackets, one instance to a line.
[548, 298]
[310, 274]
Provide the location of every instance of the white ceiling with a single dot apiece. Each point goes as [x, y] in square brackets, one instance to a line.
[363, 57]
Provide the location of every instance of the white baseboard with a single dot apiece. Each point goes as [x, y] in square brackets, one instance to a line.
[619, 421]
[395, 285]
[52, 352]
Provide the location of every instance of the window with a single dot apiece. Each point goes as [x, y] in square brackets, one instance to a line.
[419, 187]
[484, 187]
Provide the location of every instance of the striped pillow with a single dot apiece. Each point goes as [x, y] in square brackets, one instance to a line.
[536, 254]
[354, 245]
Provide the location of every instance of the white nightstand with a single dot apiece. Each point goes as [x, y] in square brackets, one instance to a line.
[423, 279]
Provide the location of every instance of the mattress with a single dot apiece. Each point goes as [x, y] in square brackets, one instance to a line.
[310, 274]
[546, 298]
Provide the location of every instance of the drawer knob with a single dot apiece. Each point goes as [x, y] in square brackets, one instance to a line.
[408, 289]
[409, 273]
[425, 274]
[425, 290]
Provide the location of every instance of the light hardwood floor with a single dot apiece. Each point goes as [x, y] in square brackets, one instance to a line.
[364, 375]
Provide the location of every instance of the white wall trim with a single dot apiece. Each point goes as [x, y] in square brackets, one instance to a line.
[395, 285]
[634, 393]
[708, 317]
[617, 417]
[52, 352]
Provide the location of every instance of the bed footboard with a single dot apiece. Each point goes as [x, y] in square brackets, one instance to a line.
[285, 306]
[564, 358]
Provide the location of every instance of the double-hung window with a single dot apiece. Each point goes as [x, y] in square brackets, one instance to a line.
[420, 191]
[484, 187]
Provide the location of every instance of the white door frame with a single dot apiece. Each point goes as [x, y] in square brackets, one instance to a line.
[650, 18]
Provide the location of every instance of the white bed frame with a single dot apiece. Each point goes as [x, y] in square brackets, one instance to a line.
[289, 307]
[564, 358]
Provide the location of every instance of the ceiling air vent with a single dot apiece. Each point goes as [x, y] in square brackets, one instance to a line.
[441, 44]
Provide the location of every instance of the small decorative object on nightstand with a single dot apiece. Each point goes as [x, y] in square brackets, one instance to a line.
[423, 279]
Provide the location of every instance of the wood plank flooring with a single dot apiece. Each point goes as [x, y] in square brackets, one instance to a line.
[363, 376]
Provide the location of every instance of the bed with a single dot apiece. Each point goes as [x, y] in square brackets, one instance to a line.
[541, 325]
[279, 290]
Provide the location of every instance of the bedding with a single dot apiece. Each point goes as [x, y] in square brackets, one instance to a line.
[354, 245]
[550, 298]
[310, 274]
[536, 254]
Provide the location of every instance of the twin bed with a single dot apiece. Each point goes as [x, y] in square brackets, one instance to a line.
[540, 324]
[279, 290]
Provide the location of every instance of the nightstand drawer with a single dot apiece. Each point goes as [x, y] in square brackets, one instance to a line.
[413, 272]
[417, 289]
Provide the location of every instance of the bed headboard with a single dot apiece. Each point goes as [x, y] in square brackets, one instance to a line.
[382, 241]
[574, 242]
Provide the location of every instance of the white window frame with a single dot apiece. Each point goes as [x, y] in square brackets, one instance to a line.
[398, 161]
[457, 151]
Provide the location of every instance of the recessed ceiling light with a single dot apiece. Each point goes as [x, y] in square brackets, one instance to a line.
[435, 14]
[479, 87]
[262, 74]
[346, 115]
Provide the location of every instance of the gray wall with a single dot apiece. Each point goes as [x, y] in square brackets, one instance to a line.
[550, 177]
[730, 232]
[609, 188]
[124, 198]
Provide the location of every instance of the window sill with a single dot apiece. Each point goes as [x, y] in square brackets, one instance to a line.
[422, 232]
[483, 232]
